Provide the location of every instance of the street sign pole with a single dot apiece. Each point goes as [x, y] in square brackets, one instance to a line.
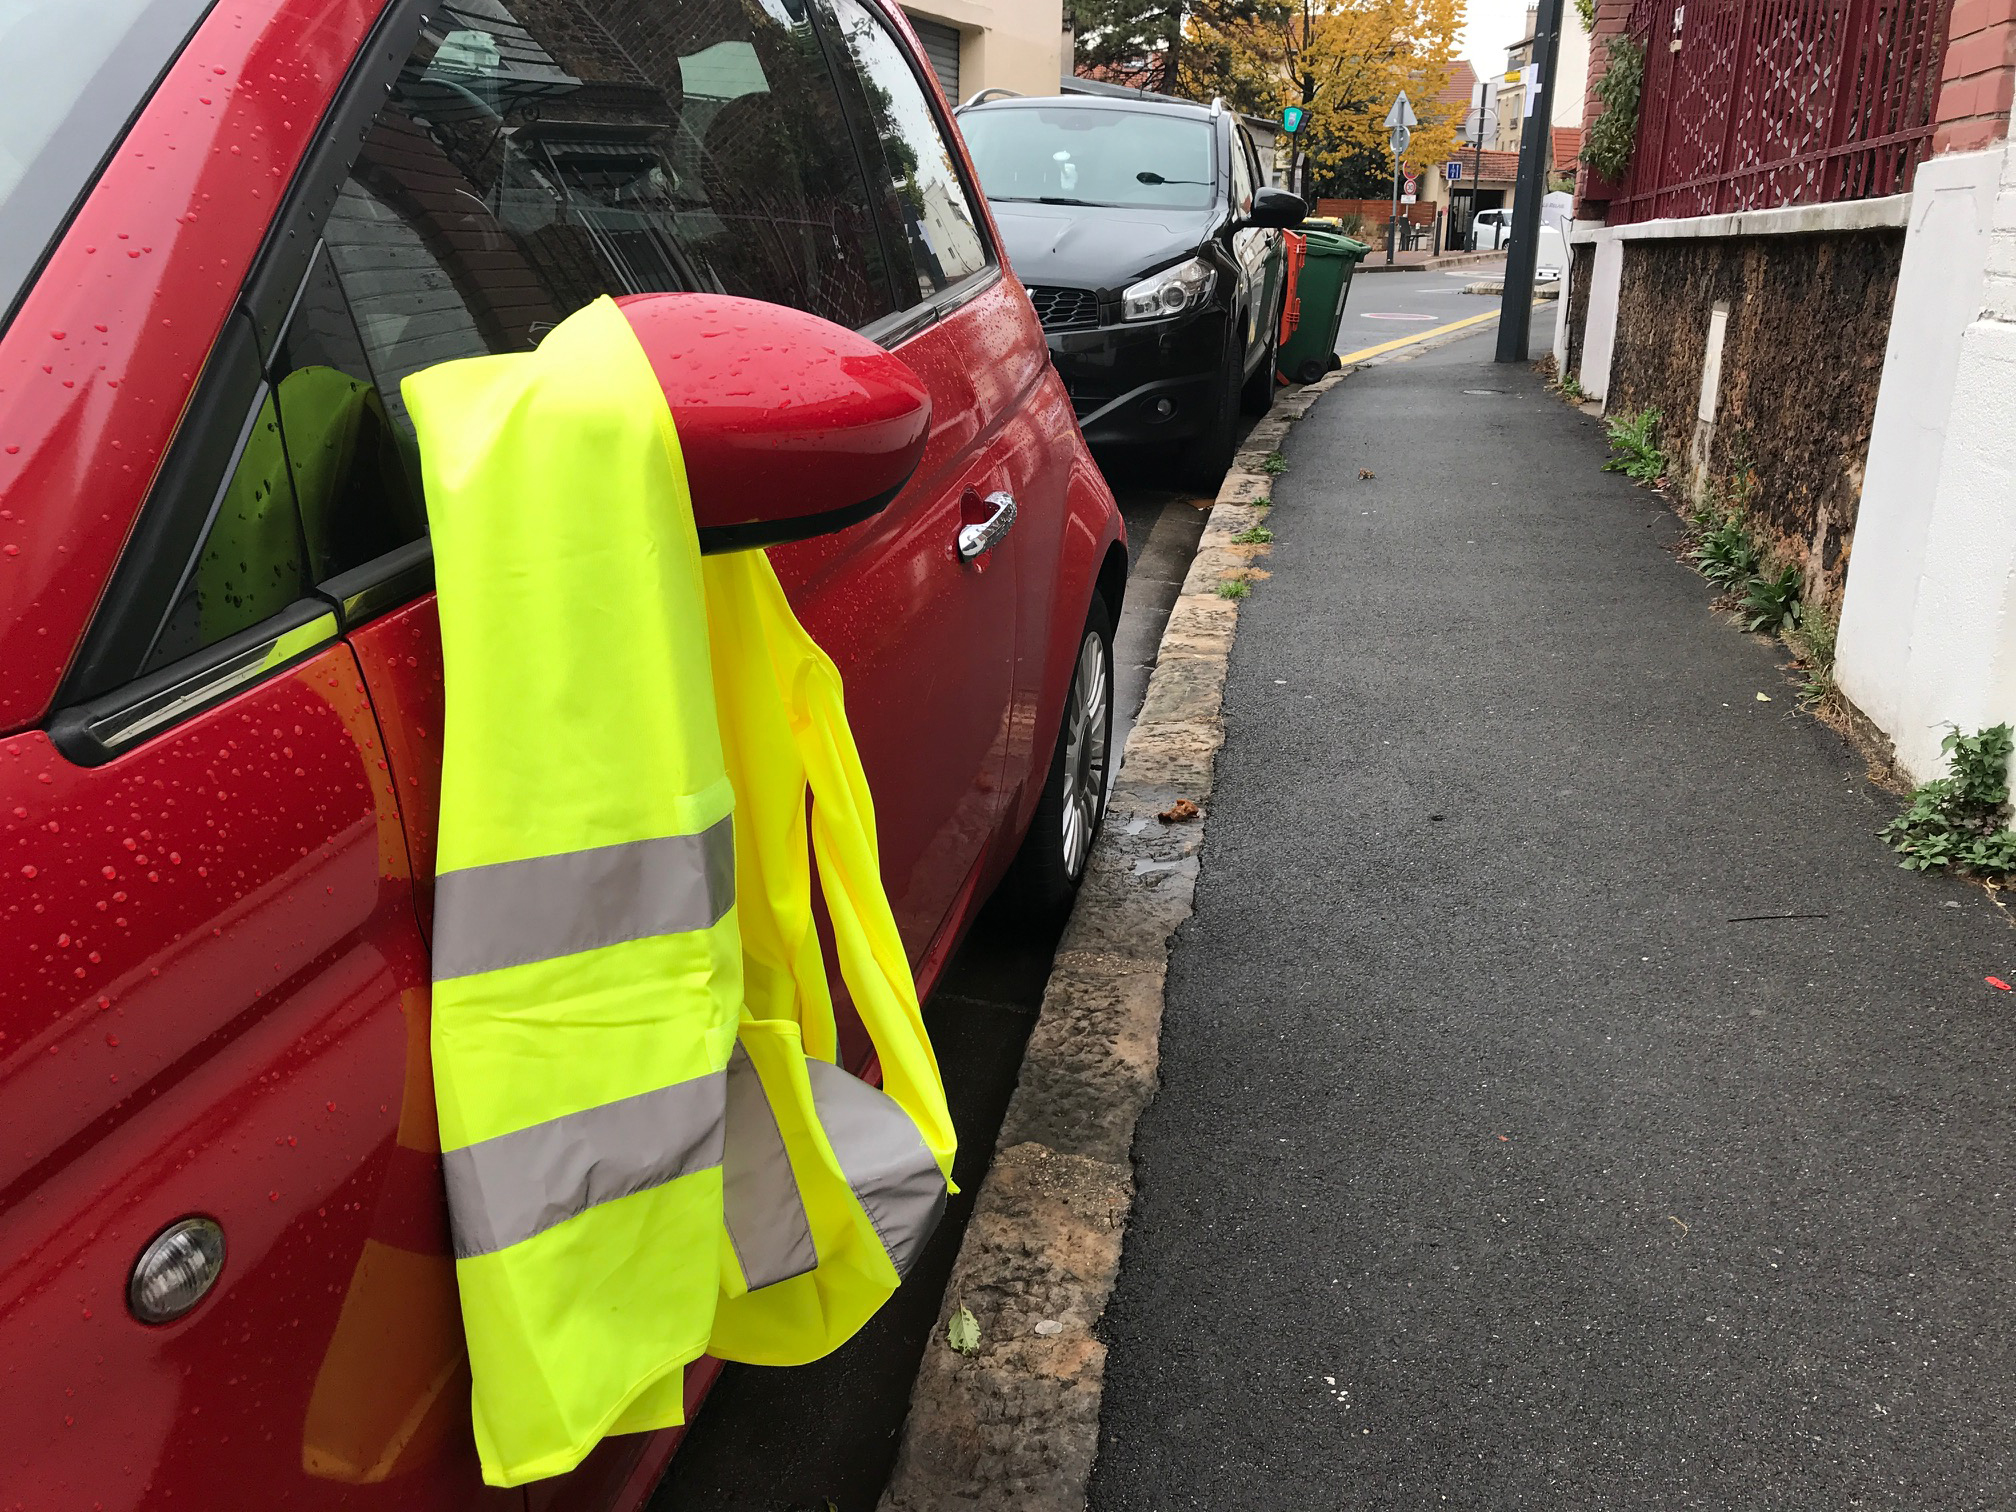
[1515, 318]
[1399, 120]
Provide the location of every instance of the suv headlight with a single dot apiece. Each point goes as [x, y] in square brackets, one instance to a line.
[1170, 292]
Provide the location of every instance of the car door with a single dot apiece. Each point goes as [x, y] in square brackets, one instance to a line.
[1249, 245]
[216, 1035]
[1268, 247]
[931, 666]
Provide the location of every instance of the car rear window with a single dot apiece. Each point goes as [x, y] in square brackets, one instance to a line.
[1075, 156]
[77, 72]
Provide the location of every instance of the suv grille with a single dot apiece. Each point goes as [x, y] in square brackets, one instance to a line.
[1060, 309]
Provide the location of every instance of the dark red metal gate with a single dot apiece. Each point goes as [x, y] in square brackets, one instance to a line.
[1752, 104]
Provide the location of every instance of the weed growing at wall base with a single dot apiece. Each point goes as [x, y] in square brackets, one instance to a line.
[1635, 440]
[1960, 822]
[1725, 554]
[1771, 602]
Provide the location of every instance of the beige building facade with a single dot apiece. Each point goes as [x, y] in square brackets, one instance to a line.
[994, 44]
[1570, 84]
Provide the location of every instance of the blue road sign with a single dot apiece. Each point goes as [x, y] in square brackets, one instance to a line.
[1453, 169]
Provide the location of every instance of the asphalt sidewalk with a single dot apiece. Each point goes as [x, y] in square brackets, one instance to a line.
[1495, 1165]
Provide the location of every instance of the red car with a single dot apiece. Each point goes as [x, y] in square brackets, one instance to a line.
[231, 228]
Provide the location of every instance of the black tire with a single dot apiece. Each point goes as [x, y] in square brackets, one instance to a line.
[1207, 455]
[1313, 368]
[1257, 397]
[1058, 847]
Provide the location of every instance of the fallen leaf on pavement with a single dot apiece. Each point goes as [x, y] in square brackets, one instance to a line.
[1763, 698]
[1182, 811]
[962, 1331]
[1366, 472]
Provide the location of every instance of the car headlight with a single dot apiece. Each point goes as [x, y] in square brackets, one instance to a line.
[1170, 292]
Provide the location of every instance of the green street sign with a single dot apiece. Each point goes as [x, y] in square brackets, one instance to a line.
[1291, 118]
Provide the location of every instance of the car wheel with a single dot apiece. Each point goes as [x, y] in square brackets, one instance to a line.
[1257, 397]
[1058, 847]
[1207, 455]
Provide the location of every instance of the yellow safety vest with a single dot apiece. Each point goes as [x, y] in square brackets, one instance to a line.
[649, 1151]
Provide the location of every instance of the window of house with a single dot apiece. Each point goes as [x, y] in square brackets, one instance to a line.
[937, 242]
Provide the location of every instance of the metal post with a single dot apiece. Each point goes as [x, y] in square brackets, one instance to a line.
[1477, 179]
[1392, 223]
[1515, 318]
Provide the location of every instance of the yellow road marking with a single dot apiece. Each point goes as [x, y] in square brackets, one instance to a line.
[1442, 330]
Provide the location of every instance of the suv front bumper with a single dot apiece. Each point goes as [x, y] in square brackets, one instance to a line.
[1143, 382]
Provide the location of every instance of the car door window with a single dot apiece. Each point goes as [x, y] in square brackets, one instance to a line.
[1242, 175]
[349, 444]
[936, 232]
[251, 562]
[538, 153]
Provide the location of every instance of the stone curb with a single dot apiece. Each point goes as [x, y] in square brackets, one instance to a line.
[1015, 1424]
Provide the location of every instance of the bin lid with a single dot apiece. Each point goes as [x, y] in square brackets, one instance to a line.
[1335, 244]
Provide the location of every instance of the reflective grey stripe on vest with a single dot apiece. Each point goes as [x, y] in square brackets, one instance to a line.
[515, 912]
[884, 1158]
[759, 1194]
[503, 1191]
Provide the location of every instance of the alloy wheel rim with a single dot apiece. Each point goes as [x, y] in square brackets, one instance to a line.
[1085, 753]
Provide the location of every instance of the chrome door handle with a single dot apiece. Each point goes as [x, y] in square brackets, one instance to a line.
[975, 539]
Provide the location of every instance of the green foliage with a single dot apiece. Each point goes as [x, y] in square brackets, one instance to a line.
[1725, 554]
[1960, 822]
[1771, 602]
[1614, 133]
[1261, 503]
[1571, 387]
[1586, 9]
[1814, 641]
[1235, 588]
[1274, 464]
[1635, 440]
[1254, 535]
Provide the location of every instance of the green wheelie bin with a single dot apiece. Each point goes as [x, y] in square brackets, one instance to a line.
[1319, 290]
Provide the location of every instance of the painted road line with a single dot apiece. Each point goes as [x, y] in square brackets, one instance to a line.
[1388, 346]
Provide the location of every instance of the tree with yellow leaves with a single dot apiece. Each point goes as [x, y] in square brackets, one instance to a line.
[1344, 62]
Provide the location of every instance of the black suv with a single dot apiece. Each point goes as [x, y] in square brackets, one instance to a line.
[1144, 234]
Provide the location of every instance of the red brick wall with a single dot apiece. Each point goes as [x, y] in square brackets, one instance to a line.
[1591, 192]
[1979, 78]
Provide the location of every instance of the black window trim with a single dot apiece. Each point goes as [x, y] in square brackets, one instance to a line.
[91, 734]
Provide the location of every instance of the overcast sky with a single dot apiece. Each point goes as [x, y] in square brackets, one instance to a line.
[1490, 27]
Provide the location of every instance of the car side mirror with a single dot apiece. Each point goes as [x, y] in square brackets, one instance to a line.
[1276, 207]
[791, 426]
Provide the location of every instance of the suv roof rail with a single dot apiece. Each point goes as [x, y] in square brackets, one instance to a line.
[994, 93]
[1217, 105]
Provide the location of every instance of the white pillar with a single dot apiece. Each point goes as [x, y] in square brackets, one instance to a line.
[1924, 636]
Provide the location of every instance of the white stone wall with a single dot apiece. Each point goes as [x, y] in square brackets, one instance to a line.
[1922, 641]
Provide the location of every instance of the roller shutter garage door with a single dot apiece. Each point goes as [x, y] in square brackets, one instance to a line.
[941, 45]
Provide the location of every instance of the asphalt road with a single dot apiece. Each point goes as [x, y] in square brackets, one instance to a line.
[1383, 307]
[1505, 1158]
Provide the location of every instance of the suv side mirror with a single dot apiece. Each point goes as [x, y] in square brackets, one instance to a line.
[1277, 207]
[791, 426]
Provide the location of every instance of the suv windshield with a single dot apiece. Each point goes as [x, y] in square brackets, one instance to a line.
[77, 71]
[1062, 154]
